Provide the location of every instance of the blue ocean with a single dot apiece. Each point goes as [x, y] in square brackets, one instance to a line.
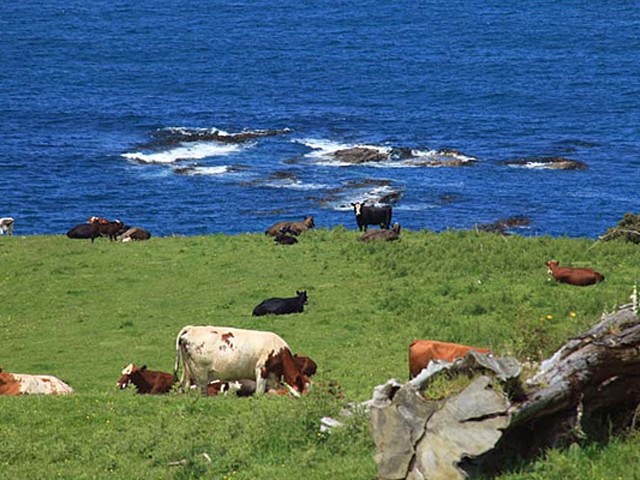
[192, 118]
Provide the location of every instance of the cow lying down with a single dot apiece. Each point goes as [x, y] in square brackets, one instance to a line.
[151, 382]
[282, 306]
[27, 384]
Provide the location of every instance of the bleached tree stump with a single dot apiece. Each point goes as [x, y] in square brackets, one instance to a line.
[590, 388]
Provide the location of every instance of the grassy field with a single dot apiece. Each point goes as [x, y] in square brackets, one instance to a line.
[83, 311]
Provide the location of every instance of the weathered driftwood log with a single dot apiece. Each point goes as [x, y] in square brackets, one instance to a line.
[589, 388]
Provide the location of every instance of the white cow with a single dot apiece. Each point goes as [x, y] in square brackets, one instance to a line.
[223, 353]
[6, 225]
[27, 384]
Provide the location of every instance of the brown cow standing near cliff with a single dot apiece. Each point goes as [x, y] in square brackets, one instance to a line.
[573, 276]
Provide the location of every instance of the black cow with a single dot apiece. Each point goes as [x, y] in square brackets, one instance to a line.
[84, 230]
[282, 306]
[94, 230]
[369, 215]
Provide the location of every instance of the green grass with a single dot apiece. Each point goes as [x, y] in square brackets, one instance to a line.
[83, 311]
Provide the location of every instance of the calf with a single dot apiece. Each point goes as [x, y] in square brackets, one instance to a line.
[282, 306]
[369, 215]
[241, 388]
[305, 364]
[146, 381]
[6, 225]
[421, 352]
[573, 276]
[283, 239]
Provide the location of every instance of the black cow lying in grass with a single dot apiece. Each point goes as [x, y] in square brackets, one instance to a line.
[282, 306]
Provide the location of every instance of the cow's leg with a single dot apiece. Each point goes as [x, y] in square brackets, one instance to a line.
[261, 382]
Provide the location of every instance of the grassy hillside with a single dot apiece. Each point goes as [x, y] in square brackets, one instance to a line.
[83, 311]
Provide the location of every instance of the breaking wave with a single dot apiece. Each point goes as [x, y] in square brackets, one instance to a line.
[196, 151]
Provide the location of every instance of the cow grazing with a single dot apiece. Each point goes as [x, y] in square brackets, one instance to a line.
[27, 384]
[84, 231]
[421, 352]
[134, 233]
[383, 234]
[223, 353]
[573, 276]
[146, 381]
[241, 388]
[294, 228]
[369, 215]
[6, 225]
[282, 306]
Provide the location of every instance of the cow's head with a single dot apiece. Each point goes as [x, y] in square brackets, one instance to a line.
[126, 374]
[308, 221]
[551, 264]
[302, 296]
[357, 208]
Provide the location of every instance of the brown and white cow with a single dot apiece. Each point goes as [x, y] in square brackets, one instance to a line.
[421, 352]
[151, 382]
[224, 353]
[27, 384]
[573, 276]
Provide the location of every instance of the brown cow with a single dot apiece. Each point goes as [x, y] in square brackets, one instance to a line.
[573, 276]
[27, 384]
[146, 381]
[294, 228]
[382, 234]
[421, 352]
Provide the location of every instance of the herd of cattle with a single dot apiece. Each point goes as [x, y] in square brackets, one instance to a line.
[101, 227]
[225, 360]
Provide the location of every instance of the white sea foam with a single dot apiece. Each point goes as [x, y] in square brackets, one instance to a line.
[220, 170]
[533, 165]
[295, 185]
[193, 151]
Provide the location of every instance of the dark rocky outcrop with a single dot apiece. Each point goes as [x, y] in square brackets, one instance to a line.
[441, 158]
[167, 137]
[503, 225]
[554, 163]
[358, 155]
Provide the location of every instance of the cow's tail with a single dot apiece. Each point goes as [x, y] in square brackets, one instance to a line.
[180, 358]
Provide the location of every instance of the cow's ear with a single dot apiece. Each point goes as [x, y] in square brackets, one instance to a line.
[143, 367]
